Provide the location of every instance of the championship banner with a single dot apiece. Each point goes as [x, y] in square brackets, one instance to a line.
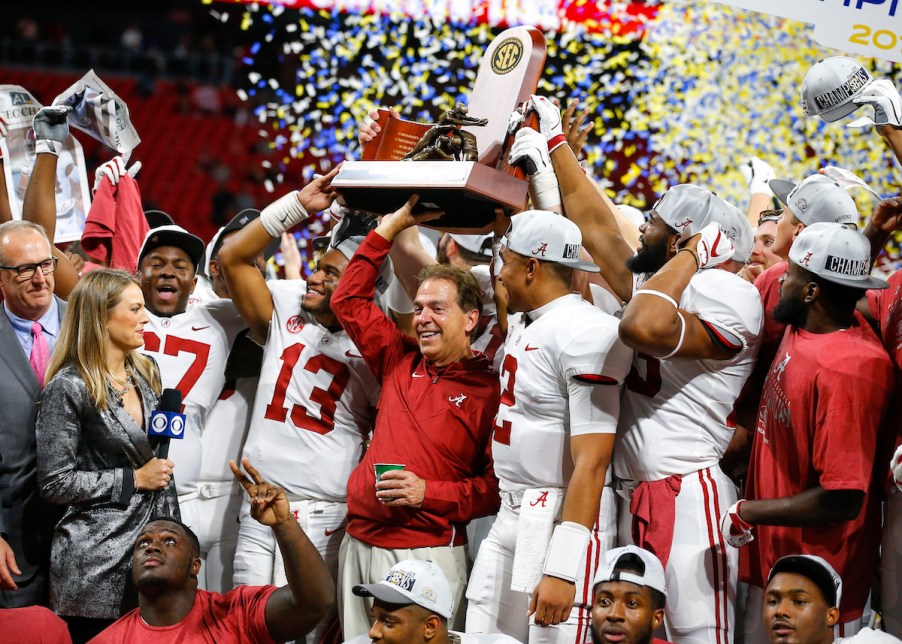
[73, 198]
[868, 27]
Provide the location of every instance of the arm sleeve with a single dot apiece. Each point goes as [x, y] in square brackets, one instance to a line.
[875, 303]
[58, 433]
[594, 409]
[374, 335]
[729, 308]
[594, 362]
[593, 352]
[465, 499]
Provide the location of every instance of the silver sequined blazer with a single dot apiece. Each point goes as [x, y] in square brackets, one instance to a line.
[85, 462]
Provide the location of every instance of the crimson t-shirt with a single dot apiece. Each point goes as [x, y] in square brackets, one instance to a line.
[768, 285]
[33, 625]
[886, 307]
[818, 424]
[237, 616]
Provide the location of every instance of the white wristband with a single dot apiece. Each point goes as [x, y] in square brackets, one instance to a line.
[567, 551]
[663, 296]
[283, 214]
[544, 190]
[47, 146]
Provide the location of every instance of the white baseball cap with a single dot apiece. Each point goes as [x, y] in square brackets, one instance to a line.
[413, 581]
[830, 85]
[817, 199]
[688, 208]
[652, 574]
[814, 568]
[632, 213]
[547, 236]
[479, 244]
[837, 253]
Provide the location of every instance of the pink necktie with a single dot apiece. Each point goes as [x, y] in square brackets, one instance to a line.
[40, 352]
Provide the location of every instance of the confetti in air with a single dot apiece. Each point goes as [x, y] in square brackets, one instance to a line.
[682, 91]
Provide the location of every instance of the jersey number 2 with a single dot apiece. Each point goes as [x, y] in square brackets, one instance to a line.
[326, 398]
[503, 430]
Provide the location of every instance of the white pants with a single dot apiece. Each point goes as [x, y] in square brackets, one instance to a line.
[756, 632]
[702, 570]
[891, 565]
[477, 531]
[495, 608]
[212, 513]
[364, 564]
[258, 560]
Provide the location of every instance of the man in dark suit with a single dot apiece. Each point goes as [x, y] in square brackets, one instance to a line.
[29, 323]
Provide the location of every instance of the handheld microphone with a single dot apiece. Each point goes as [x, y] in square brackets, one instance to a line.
[166, 422]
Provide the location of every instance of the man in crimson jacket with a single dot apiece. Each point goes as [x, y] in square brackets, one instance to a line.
[435, 419]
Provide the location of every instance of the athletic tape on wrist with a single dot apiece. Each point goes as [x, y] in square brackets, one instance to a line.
[567, 551]
[282, 214]
[663, 296]
[47, 146]
[544, 190]
[555, 142]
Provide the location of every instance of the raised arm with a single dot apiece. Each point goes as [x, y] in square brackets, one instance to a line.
[408, 258]
[757, 175]
[292, 610]
[6, 213]
[883, 96]
[654, 324]
[886, 218]
[247, 285]
[586, 206]
[352, 302]
[893, 137]
[51, 130]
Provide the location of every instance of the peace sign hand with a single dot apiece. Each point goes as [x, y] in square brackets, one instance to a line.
[269, 504]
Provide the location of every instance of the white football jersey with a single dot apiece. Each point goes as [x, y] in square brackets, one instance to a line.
[203, 292]
[226, 429]
[570, 337]
[604, 299]
[315, 403]
[488, 340]
[676, 414]
[192, 349]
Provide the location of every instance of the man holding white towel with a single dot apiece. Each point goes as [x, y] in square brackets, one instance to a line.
[552, 443]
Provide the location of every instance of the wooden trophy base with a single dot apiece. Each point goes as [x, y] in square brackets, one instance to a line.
[467, 191]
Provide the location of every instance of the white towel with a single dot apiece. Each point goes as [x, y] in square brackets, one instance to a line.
[534, 527]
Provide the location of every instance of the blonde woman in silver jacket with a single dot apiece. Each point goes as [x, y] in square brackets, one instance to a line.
[93, 453]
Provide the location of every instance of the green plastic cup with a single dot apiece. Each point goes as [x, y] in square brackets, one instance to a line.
[382, 468]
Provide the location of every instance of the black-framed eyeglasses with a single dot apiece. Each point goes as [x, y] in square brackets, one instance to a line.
[27, 271]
